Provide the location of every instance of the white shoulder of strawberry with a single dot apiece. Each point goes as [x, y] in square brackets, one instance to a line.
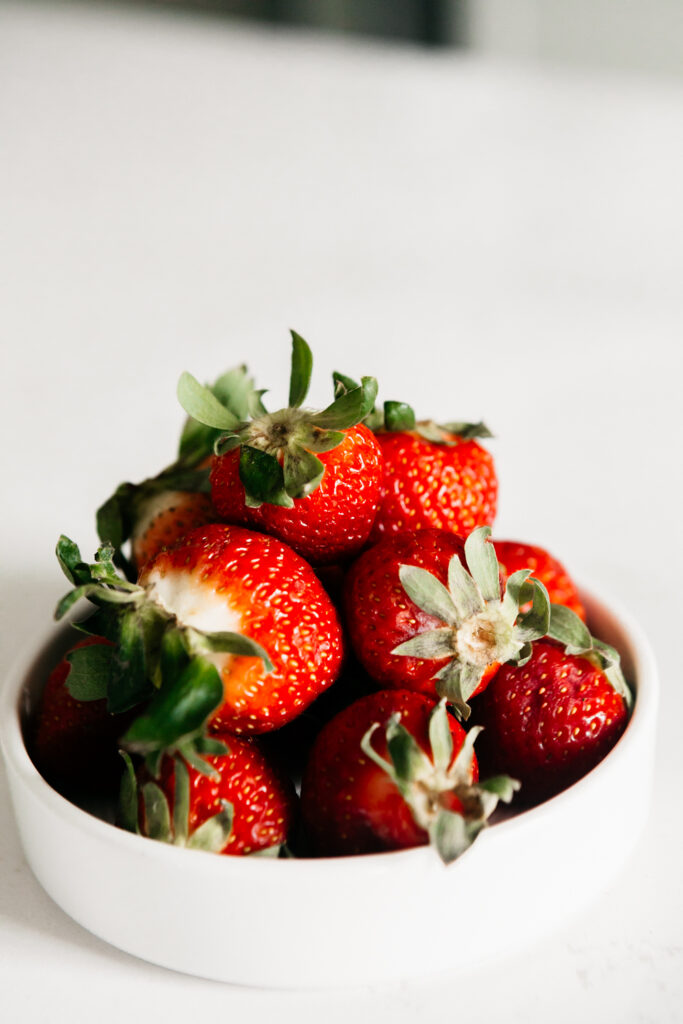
[153, 661]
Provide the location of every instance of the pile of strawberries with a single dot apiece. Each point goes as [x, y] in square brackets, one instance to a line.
[301, 629]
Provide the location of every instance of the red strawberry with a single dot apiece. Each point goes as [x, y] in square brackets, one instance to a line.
[238, 803]
[310, 478]
[226, 580]
[418, 620]
[434, 476]
[392, 771]
[165, 518]
[550, 721]
[333, 521]
[514, 555]
[74, 742]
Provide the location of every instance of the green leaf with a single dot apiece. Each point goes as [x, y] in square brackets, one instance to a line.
[129, 683]
[482, 563]
[433, 644]
[428, 593]
[157, 817]
[127, 816]
[178, 711]
[200, 403]
[315, 439]
[263, 478]
[88, 676]
[181, 800]
[109, 519]
[457, 681]
[516, 594]
[342, 383]
[440, 737]
[502, 787]
[227, 443]
[398, 416]
[430, 431]
[213, 834]
[235, 390]
[467, 431]
[566, 627]
[451, 835]
[69, 557]
[463, 591]
[409, 760]
[210, 745]
[349, 409]
[302, 471]
[302, 366]
[231, 643]
[534, 624]
[369, 751]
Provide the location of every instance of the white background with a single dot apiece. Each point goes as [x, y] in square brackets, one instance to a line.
[488, 240]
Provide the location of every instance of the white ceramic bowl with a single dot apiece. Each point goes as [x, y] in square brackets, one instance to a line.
[346, 920]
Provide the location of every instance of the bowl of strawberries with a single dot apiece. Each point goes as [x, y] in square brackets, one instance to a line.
[302, 705]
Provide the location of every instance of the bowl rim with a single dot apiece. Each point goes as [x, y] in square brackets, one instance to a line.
[17, 758]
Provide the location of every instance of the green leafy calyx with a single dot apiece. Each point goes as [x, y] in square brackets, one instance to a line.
[279, 452]
[480, 627]
[439, 787]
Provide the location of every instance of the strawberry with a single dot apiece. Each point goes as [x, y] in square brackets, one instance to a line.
[514, 555]
[434, 476]
[165, 518]
[74, 739]
[395, 770]
[418, 620]
[225, 579]
[310, 478]
[236, 804]
[550, 721]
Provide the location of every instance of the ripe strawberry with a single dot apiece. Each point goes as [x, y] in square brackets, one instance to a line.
[434, 476]
[392, 771]
[513, 555]
[419, 621]
[237, 804]
[551, 720]
[310, 478]
[222, 580]
[74, 740]
[165, 518]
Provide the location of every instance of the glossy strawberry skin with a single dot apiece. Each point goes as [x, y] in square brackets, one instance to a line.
[348, 804]
[274, 597]
[429, 485]
[328, 525]
[514, 555]
[74, 742]
[173, 515]
[380, 615]
[547, 723]
[263, 798]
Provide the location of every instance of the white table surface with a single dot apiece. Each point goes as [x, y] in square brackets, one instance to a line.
[490, 241]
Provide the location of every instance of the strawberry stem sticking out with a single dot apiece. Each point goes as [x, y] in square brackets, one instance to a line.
[439, 791]
[481, 628]
[278, 451]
